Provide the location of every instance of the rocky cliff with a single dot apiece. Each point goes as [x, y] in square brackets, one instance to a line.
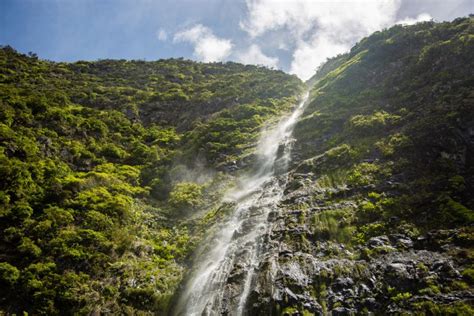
[377, 217]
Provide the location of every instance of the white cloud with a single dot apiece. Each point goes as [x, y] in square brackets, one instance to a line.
[308, 56]
[420, 18]
[254, 55]
[162, 35]
[318, 29]
[207, 46]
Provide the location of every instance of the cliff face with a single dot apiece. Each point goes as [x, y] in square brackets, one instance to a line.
[377, 216]
[113, 172]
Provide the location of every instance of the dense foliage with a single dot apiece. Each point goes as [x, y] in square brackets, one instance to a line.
[90, 156]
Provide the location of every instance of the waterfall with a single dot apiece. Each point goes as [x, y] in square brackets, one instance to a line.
[224, 267]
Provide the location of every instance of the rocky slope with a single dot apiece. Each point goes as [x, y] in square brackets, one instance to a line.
[377, 217]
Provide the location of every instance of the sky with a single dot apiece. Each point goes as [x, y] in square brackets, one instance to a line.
[295, 36]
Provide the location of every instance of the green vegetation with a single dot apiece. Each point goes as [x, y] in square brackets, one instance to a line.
[332, 225]
[394, 114]
[93, 217]
[112, 172]
[386, 150]
[185, 195]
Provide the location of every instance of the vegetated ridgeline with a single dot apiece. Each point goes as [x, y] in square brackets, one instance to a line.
[102, 203]
[102, 163]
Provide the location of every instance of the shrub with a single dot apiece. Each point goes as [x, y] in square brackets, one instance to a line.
[401, 297]
[186, 195]
[29, 248]
[468, 274]
[332, 225]
[368, 231]
[113, 151]
[363, 174]
[22, 210]
[8, 274]
[372, 123]
[392, 144]
[452, 211]
[340, 154]
[59, 216]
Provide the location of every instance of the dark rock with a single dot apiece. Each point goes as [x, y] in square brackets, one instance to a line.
[401, 241]
[363, 290]
[290, 295]
[46, 145]
[334, 298]
[343, 283]
[342, 311]
[398, 269]
[371, 303]
[379, 241]
[445, 269]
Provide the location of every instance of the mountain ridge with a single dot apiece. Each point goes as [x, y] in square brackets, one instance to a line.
[115, 171]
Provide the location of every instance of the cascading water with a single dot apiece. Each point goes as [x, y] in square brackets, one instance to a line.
[221, 278]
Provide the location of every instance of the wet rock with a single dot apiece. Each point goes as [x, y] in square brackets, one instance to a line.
[379, 241]
[273, 215]
[401, 241]
[398, 270]
[302, 269]
[342, 311]
[363, 290]
[343, 283]
[290, 295]
[293, 272]
[446, 269]
[310, 304]
[334, 298]
[285, 252]
[371, 303]
[236, 276]
[435, 240]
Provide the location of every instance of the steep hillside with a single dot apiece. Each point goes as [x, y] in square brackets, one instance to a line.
[114, 171]
[378, 216]
[96, 162]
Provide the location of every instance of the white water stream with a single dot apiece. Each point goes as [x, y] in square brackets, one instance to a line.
[221, 278]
